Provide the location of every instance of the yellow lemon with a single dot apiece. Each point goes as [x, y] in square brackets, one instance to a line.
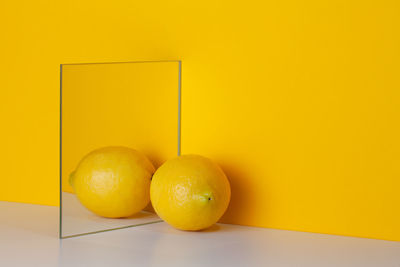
[113, 182]
[190, 192]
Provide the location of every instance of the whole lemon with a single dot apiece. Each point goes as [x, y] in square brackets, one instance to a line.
[113, 182]
[190, 192]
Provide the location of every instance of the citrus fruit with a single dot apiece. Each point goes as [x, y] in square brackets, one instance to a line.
[190, 192]
[113, 182]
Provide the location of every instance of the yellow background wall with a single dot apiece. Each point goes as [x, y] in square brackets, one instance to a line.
[297, 100]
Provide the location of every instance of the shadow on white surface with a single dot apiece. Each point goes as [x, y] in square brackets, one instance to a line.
[226, 245]
[28, 237]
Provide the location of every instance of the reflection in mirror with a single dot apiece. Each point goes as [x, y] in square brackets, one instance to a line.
[135, 105]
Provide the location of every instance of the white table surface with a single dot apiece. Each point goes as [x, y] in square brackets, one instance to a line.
[29, 237]
[77, 219]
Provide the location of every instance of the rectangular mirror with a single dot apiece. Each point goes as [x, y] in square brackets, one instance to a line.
[130, 104]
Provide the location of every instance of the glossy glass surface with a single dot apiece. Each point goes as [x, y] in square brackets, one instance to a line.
[132, 104]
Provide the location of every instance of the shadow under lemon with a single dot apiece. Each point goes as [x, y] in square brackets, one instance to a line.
[242, 196]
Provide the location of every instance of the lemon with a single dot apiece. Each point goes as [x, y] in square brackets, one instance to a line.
[113, 182]
[190, 192]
